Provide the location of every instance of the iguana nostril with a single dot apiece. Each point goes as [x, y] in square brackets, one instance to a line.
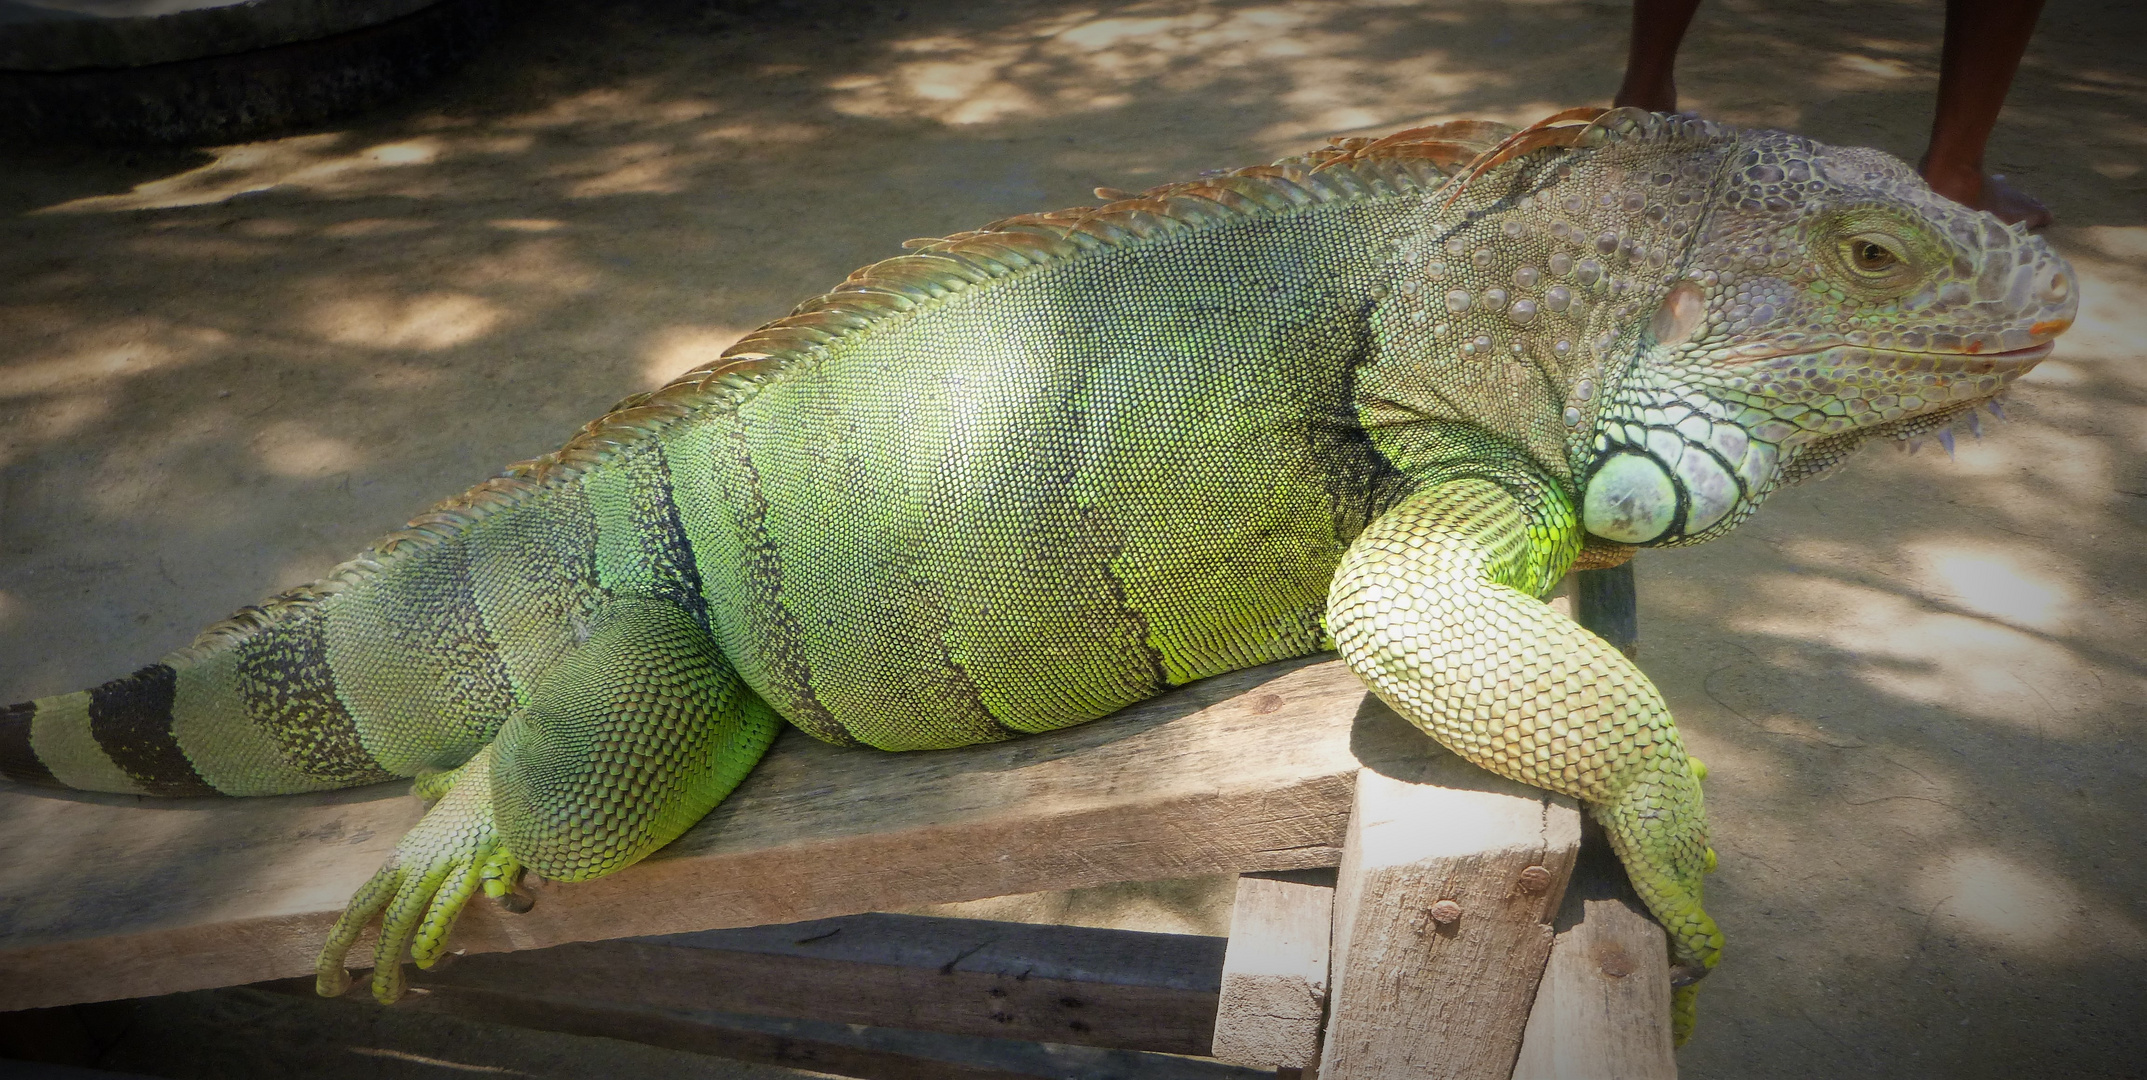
[2058, 287]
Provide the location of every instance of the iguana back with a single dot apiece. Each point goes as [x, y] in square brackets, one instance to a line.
[1016, 481]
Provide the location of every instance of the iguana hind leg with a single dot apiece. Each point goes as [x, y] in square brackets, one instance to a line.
[635, 736]
[1434, 607]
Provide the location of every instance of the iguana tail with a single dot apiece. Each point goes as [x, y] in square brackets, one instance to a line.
[253, 707]
[403, 661]
[115, 737]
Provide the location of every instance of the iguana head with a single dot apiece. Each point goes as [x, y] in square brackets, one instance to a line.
[1821, 297]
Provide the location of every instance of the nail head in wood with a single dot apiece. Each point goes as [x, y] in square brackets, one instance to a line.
[1602, 1009]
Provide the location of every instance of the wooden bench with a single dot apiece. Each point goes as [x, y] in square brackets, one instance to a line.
[1401, 913]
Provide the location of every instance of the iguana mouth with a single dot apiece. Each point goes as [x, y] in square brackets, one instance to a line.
[2014, 362]
[2030, 355]
[1952, 362]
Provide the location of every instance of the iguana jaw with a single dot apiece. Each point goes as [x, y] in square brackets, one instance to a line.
[1821, 456]
[1718, 459]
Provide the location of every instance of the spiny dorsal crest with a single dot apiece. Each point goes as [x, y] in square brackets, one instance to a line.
[1417, 160]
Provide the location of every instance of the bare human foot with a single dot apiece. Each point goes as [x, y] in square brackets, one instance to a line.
[1971, 188]
[2011, 204]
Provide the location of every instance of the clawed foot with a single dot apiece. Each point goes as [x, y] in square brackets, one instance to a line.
[435, 870]
[1658, 829]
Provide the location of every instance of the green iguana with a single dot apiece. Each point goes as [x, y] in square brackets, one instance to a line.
[1377, 398]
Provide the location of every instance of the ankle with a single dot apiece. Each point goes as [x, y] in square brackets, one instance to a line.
[1961, 183]
[1654, 95]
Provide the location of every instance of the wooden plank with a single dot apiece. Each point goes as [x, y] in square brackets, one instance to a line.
[824, 1046]
[1273, 992]
[1443, 909]
[1061, 984]
[1606, 602]
[104, 897]
[1603, 1009]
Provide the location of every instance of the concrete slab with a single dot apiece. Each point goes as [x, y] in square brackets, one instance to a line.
[63, 35]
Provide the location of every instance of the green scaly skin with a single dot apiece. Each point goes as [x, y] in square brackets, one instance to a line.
[1028, 475]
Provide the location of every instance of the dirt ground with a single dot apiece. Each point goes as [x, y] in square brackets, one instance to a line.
[1919, 685]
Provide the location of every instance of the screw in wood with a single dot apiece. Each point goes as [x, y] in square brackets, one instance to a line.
[1535, 879]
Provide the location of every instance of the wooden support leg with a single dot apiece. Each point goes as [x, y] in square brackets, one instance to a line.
[1606, 602]
[1274, 988]
[1443, 911]
[1603, 1011]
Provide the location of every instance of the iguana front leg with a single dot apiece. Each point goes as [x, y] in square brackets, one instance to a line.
[635, 736]
[1435, 607]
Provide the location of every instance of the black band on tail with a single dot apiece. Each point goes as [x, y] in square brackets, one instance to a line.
[17, 761]
[131, 721]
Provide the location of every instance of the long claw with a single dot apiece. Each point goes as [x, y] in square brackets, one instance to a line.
[431, 937]
[1945, 439]
[330, 977]
[399, 927]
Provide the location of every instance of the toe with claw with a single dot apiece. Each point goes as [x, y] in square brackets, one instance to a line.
[454, 851]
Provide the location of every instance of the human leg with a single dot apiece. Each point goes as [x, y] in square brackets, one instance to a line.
[1651, 58]
[1985, 40]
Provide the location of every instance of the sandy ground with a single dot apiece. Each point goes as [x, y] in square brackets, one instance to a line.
[1918, 684]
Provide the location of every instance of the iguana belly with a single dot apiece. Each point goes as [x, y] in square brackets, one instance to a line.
[1018, 516]
[995, 584]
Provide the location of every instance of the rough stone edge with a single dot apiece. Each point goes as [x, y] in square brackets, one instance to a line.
[222, 99]
[74, 43]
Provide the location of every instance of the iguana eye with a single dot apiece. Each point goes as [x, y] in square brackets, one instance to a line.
[1870, 256]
